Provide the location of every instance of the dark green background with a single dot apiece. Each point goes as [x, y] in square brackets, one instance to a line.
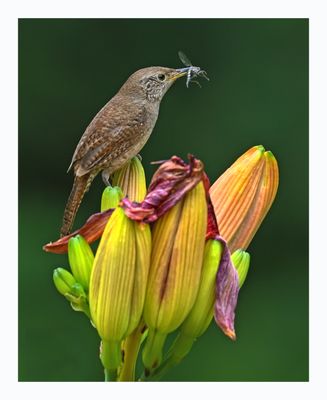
[257, 94]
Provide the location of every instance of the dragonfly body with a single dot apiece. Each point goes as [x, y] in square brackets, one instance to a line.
[192, 71]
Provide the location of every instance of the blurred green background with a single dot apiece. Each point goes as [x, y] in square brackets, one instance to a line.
[257, 94]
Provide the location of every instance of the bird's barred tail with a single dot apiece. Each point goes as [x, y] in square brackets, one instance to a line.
[80, 186]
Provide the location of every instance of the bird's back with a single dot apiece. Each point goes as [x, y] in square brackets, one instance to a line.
[119, 129]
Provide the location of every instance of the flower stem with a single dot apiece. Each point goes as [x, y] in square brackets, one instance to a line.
[179, 349]
[159, 372]
[152, 351]
[110, 375]
[131, 347]
[111, 359]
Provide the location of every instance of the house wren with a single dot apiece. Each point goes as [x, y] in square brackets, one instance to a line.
[118, 132]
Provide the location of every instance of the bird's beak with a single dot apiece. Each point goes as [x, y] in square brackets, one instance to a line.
[178, 73]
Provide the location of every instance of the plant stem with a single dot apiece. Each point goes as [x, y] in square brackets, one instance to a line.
[178, 350]
[131, 347]
[159, 372]
[152, 351]
[111, 359]
[110, 375]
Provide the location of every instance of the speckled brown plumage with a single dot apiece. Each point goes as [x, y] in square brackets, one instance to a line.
[118, 132]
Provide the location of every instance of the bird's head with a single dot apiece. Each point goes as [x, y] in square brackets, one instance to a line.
[152, 82]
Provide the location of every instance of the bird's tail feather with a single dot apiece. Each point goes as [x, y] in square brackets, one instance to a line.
[80, 186]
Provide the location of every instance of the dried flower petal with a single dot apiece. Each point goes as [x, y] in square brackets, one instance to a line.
[91, 231]
[169, 184]
[227, 288]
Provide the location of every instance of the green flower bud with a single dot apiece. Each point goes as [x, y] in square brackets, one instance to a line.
[241, 261]
[201, 314]
[63, 280]
[81, 259]
[73, 291]
[111, 197]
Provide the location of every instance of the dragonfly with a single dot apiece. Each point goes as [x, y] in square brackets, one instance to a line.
[192, 71]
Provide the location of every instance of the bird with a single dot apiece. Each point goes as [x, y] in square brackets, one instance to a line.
[117, 133]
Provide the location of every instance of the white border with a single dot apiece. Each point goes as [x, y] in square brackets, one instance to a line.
[193, 9]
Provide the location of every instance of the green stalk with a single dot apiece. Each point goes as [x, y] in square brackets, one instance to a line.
[111, 359]
[152, 351]
[179, 349]
[131, 348]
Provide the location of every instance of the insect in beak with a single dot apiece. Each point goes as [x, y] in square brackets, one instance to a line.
[191, 71]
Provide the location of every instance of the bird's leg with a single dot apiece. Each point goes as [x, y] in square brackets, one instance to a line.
[106, 177]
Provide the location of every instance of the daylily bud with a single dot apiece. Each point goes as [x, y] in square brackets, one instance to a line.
[243, 195]
[241, 261]
[176, 262]
[81, 259]
[131, 179]
[73, 291]
[63, 280]
[118, 282]
[111, 197]
[202, 312]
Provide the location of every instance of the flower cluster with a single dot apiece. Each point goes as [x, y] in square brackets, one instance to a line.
[170, 258]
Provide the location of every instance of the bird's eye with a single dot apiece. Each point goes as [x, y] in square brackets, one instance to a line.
[161, 77]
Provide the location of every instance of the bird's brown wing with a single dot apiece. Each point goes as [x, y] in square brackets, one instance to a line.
[105, 152]
[109, 135]
[102, 124]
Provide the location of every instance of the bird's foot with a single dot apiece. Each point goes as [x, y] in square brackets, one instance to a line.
[106, 177]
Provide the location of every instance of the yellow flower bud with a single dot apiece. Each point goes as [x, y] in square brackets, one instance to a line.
[243, 195]
[176, 262]
[131, 179]
[119, 278]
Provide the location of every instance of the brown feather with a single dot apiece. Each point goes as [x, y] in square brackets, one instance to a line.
[117, 133]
